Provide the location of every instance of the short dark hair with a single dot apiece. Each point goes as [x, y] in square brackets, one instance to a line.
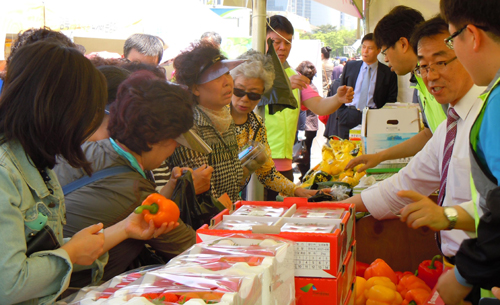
[33, 35]
[145, 44]
[368, 37]
[429, 28]
[137, 66]
[52, 100]
[399, 22]
[114, 77]
[307, 69]
[326, 52]
[477, 12]
[99, 61]
[212, 35]
[279, 23]
[148, 110]
[188, 64]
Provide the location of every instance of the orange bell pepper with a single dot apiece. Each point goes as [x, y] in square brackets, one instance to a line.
[400, 274]
[360, 291]
[418, 295]
[381, 291]
[159, 209]
[380, 268]
[410, 282]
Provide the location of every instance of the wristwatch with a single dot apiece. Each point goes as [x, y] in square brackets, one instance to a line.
[452, 216]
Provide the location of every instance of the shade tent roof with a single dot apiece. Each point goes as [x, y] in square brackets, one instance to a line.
[350, 7]
[177, 22]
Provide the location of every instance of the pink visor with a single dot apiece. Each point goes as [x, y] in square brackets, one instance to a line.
[217, 69]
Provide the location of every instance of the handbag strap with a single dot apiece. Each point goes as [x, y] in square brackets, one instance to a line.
[104, 173]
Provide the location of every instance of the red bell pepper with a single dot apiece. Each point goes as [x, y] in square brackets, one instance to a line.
[430, 271]
[361, 268]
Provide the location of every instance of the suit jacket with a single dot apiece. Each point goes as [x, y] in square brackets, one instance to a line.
[386, 84]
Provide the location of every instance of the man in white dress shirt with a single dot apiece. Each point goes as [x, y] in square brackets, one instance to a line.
[406, 192]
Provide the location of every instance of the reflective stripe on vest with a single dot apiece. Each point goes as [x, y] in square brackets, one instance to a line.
[282, 127]
[434, 112]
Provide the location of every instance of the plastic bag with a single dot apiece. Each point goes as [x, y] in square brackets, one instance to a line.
[196, 210]
[281, 95]
[299, 152]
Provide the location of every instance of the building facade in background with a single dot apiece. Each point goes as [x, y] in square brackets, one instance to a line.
[317, 13]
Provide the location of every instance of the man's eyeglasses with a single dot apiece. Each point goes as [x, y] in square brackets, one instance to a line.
[422, 71]
[251, 95]
[449, 41]
[384, 51]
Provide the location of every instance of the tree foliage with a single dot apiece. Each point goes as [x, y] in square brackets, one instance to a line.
[332, 37]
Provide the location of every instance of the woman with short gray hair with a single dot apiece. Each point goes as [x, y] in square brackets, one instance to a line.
[251, 79]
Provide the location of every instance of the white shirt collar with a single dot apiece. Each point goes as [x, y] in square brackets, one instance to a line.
[465, 104]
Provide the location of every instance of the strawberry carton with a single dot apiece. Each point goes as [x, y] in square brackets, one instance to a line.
[158, 287]
[319, 252]
[237, 255]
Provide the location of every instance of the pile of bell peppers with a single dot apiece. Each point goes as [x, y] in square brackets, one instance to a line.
[380, 285]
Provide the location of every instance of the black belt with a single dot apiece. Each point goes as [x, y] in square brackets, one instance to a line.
[349, 107]
[353, 107]
[450, 259]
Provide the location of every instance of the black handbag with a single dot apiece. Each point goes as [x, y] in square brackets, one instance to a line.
[44, 240]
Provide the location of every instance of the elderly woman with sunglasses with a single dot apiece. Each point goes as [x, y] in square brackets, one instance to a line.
[251, 79]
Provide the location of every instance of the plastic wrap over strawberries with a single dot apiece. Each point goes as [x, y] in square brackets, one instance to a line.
[240, 269]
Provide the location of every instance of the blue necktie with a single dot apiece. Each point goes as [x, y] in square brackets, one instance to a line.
[365, 86]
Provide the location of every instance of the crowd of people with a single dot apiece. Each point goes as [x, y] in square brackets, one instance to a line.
[85, 139]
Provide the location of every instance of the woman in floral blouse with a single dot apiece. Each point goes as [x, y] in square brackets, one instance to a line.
[251, 80]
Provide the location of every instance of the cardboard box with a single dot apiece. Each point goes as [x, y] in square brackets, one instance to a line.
[351, 296]
[316, 254]
[384, 128]
[309, 290]
[355, 134]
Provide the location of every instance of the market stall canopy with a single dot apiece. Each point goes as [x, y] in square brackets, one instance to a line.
[177, 22]
[350, 7]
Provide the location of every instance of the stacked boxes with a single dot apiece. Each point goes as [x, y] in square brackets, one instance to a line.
[235, 270]
[324, 242]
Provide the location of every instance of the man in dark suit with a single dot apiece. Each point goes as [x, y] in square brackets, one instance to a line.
[373, 82]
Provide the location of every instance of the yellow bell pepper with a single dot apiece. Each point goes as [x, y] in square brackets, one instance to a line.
[381, 291]
[360, 291]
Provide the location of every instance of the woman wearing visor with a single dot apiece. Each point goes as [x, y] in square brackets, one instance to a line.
[251, 79]
[206, 73]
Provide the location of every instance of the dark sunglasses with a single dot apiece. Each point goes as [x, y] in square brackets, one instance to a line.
[251, 95]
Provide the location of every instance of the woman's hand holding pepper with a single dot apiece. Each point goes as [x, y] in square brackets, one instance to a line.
[137, 228]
